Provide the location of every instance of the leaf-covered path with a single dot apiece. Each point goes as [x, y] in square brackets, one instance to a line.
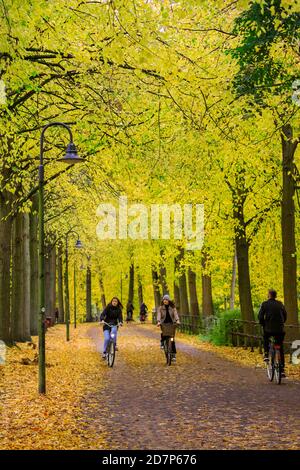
[202, 402]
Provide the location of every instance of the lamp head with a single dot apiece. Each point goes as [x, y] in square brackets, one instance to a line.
[71, 156]
[78, 244]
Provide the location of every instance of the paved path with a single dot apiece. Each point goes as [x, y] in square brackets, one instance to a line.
[202, 402]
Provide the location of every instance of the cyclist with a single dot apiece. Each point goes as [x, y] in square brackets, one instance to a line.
[167, 313]
[112, 314]
[143, 311]
[272, 316]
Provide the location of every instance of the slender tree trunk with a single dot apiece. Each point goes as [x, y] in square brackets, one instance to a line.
[52, 281]
[207, 299]
[163, 274]
[233, 281]
[194, 305]
[156, 290]
[131, 283]
[5, 271]
[60, 286]
[34, 268]
[176, 296]
[89, 317]
[48, 304]
[176, 285]
[140, 290]
[242, 247]
[184, 303]
[26, 275]
[289, 259]
[102, 293]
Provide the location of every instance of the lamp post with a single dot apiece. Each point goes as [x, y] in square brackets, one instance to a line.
[71, 157]
[77, 245]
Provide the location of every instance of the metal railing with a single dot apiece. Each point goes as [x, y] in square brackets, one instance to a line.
[246, 334]
[188, 323]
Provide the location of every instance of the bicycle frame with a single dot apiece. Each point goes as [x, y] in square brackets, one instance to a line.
[169, 338]
[274, 365]
[111, 347]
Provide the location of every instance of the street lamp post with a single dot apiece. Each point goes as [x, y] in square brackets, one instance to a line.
[71, 157]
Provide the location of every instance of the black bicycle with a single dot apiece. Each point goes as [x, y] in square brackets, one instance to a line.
[111, 347]
[274, 367]
[168, 331]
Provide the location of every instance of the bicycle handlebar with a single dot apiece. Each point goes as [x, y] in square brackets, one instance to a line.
[110, 325]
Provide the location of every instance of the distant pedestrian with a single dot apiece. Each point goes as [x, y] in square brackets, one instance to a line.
[129, 311]
[143, 311]
[56, 314]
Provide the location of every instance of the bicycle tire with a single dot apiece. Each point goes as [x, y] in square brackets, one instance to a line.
[166, 349]
[111, 354]
[270, 367]
[277, 368]
[170, 355]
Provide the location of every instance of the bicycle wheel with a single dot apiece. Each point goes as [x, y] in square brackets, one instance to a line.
[169, 356]
[270, 367]
[166, 349]
[277, 368]
[111, 354]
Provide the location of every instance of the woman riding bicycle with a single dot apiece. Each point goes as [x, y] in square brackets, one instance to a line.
[112, 314]
[167, 313]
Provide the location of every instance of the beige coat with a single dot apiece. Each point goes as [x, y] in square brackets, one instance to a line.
[161, 314]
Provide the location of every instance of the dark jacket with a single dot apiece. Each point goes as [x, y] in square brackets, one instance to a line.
[112, 315]
[272, 316]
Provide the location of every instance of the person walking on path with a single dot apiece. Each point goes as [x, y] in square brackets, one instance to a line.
[167, 313]
[143, 311]
[129, 311]
[112, 314]
[272, 317]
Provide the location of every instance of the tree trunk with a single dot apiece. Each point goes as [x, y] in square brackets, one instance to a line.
[183, 294]
[34, 268]
[26, 275]
[5, 272]
[242, 247]
[176, 296]
[163, 274]
[47, 282]
[176, 285]
[207, 299]
[52, 293]
[140, 290]
[194, 305]
[233, 281]
[156, 290]
[103, 300]
[131, 283]
[289, 260]
[17, 280]
[89, 317]
[19, 286]
[60, 285]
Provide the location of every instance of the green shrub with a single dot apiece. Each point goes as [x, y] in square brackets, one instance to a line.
[219, 333]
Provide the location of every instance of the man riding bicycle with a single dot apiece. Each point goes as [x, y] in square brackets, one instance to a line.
[272, 316]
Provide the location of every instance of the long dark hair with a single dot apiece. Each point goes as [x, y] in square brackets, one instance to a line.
[119, 302]
[171, 303]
